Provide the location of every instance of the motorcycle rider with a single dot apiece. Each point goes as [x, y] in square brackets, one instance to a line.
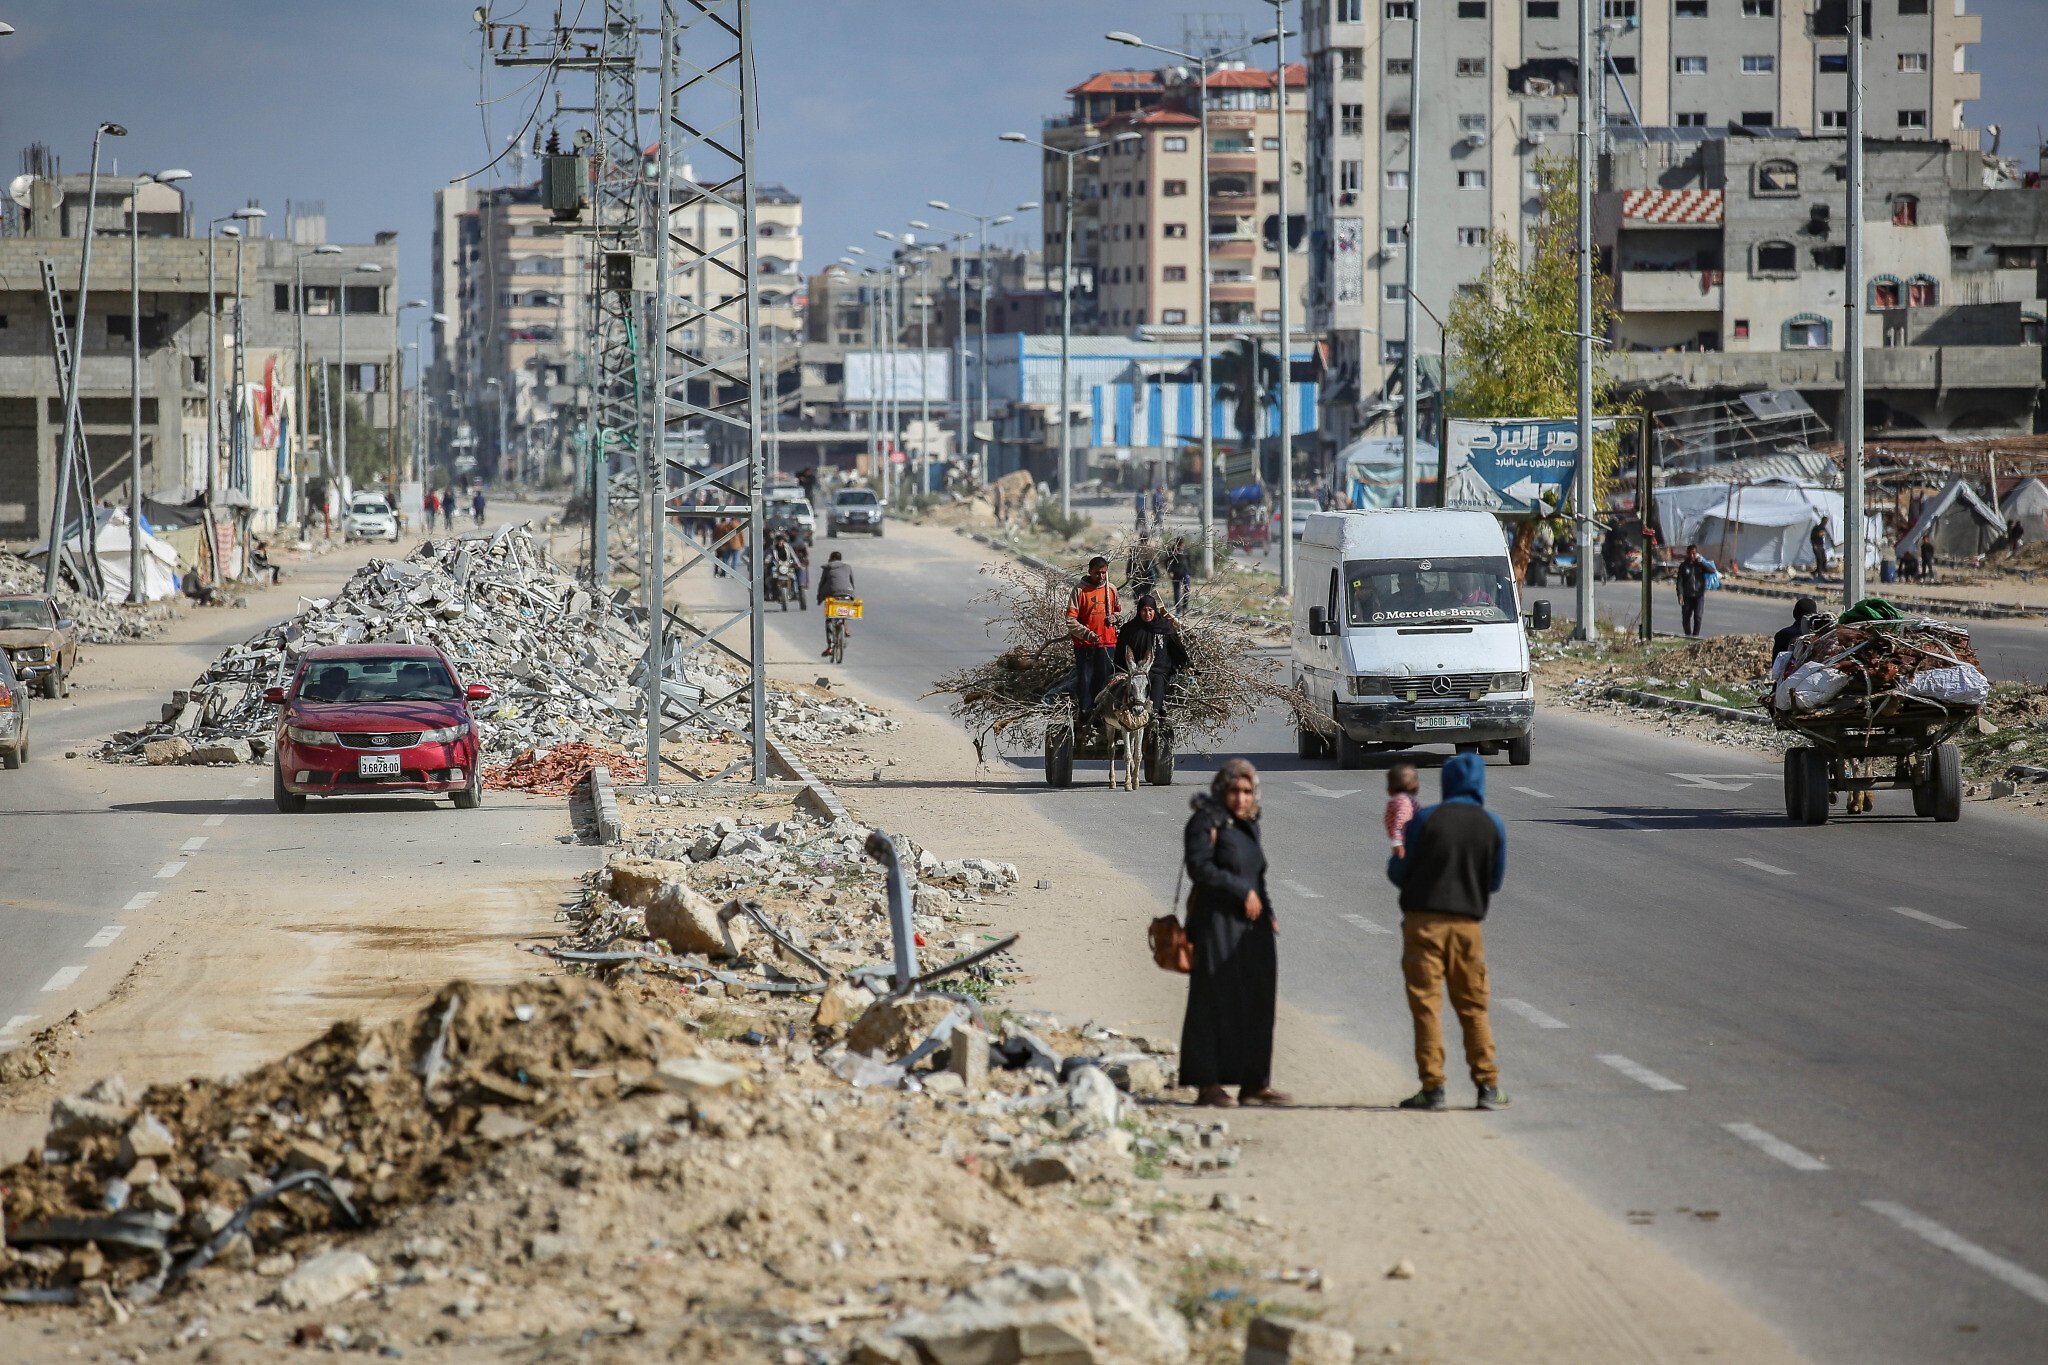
[835, 580]
[782, 559]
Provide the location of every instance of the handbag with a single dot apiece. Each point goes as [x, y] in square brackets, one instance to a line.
[1172, 949]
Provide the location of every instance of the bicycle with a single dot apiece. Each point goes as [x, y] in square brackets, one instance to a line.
[838, 612]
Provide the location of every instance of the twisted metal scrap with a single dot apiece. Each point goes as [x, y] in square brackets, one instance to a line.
[1006, 698]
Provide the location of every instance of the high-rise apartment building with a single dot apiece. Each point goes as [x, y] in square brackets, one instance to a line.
[1499, 89]
[514, 285]
[1141, 225]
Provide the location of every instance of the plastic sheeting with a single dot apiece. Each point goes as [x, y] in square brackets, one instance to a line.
[159, 561]
[1762, 527]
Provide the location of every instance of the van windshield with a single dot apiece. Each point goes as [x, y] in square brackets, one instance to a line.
[1476, 590]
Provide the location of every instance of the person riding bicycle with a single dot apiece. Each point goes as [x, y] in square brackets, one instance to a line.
[834, 580]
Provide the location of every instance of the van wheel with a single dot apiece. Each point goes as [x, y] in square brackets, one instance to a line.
[1309, 743]
[1350, 753]
[1521, 751]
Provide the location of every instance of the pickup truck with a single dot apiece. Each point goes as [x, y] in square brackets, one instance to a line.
[41, 640]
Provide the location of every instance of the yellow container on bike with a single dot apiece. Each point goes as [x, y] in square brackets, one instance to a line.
[844, 608]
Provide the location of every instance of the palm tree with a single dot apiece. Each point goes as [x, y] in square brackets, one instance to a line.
[1249, 375]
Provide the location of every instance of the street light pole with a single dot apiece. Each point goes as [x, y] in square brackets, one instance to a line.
[58, 507]
[341, 434]
[1852, 330]
[1410, 264]
[1207, 398]
[1586, 627]
[305, 383]
[1286, 244]
[135, 594]
[1069, 156]
[982, 223]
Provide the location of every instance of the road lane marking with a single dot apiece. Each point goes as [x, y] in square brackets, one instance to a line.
[104, 936]
[1362, 922]
[18, 1021]
[1992, 1264]
[169, 870]
[1531, 791]
[251, 781]
[1333, 793]
[193, 844]
[139, 899]
[63, 979]
[1636, 825]
[1639, 1073]
[1298, 889]
[1762, 866]
[1721, 782]
[215, 821]
[1936, 920]
[1532, 1014]
[1777, 1147]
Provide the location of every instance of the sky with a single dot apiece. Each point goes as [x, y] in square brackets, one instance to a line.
[869, 107]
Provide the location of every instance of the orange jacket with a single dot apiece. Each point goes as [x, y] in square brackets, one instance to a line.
[1095, 610]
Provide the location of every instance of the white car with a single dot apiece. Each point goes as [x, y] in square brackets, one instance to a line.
[369, 518]
[786, 504]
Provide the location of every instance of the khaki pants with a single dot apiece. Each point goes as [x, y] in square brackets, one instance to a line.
[1447, 949]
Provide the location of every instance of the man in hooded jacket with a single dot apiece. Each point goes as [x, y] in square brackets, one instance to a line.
[1457, 858]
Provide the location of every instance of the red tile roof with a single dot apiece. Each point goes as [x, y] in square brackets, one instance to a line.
[1254, 78]
[1114, 82]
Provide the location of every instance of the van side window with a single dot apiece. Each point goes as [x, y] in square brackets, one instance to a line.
[1330, 610]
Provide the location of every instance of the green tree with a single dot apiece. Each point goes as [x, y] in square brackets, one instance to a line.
[1515, 333]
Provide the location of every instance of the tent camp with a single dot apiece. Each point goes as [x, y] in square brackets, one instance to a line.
[159, 561]
[1761, 527]
[1372, 471]
[1960, 523]
[2027, 503]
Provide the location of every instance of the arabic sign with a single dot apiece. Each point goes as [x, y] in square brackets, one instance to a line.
[1514, 467]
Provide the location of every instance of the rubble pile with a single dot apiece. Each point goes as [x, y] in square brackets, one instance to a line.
[129, 1187]
[99, 623]
[563, 663]
[551, 1160]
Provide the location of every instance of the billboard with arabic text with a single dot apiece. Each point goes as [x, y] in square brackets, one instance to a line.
[1513, 466]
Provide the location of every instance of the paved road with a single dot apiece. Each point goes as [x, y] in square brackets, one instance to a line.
[1801, 1058]
[92, 851]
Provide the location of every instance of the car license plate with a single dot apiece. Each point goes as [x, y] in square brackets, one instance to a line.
[378, 765]
[1439, 722]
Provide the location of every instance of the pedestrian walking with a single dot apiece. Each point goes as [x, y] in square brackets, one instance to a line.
[1817, 539]
[1139, 499]
[448, 509]
[1226, 1036]
[433, 507]
[1457, 859]
[1158, 507]
[1692, 589]
[476, 505]
[1403, 785]
[1927, 557]
[1179, 572]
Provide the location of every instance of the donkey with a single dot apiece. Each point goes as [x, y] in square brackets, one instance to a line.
[1125, 709]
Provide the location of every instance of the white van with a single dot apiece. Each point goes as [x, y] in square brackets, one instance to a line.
[1408, 631]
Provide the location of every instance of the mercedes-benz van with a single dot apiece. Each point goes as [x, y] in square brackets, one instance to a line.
[1408, 631]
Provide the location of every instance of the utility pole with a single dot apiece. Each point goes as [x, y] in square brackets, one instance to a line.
[924, 371]
[1852, 330]
[1286, 305]
[1585, 629]
[58, 515]
[1411, 249]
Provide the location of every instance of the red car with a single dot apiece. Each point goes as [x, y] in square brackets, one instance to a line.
[376, 719]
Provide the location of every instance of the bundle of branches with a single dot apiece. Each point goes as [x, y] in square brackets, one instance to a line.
[1006, 698]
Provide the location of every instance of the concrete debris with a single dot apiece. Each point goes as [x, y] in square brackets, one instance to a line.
[1275, 1340]
[99, 623]
[564, 665]
[326, 1280]
[891, 1028]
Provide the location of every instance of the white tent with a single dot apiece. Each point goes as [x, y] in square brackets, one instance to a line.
[2027, 503]
[1761, 527]
[1961, 524]
[159, 561]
